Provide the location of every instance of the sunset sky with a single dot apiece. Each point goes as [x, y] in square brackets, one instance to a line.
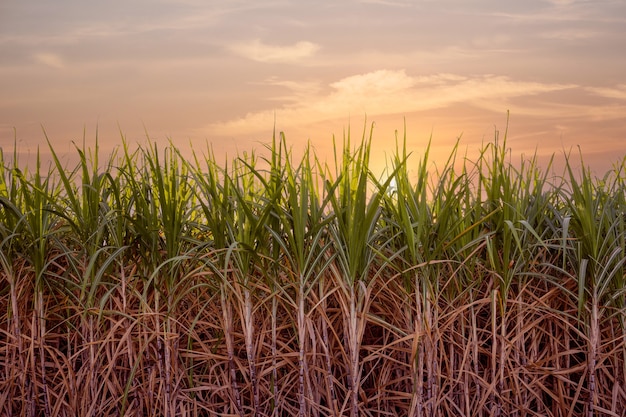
[223, 72]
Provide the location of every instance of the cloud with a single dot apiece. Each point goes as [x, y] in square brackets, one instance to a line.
[50, 60]
[618, 92]
[386, 92]
[376, 83]
[262, 52]
[569, 35]
[297, 90]
[391, 3]
[561, 2]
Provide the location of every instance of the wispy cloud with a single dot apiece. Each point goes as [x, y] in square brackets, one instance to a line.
[618, 92]
[569, 34]
[386, 92]
[566, 12]
[392, 3]
[105, 22]
[50, 60]
[257, 50]
[296, 90]
[561, 2]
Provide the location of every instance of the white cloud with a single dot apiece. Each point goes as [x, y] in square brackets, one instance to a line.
[50, 60]
[387, 92]
[262, 52]
[373, 83]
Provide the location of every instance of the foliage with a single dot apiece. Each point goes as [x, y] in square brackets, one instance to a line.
[160, 286]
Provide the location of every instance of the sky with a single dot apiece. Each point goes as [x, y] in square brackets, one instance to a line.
[226, 74]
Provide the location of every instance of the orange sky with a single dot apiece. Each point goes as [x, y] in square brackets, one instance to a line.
[221, 72]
